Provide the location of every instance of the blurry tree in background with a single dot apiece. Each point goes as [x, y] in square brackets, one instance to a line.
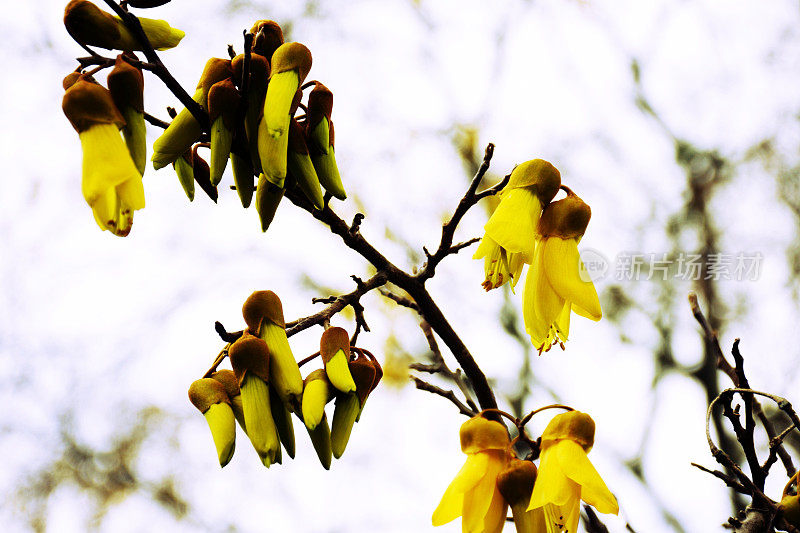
[677, 122]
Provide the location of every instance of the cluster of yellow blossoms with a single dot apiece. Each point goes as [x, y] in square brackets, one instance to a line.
[251, 101]
[543, 500]
[265, 388]
[529, 228]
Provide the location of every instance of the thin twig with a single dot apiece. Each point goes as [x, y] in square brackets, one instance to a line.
[729, 481]
[424, 385]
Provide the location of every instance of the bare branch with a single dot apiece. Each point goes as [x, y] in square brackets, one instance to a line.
[424, 385]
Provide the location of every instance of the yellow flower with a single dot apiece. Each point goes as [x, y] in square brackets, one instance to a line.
[111, 184]
[473, 494]
[512, 229]
[566, 476]
[557, 282]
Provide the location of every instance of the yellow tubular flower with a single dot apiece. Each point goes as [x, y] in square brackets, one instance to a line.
[90, 25]
[283, 422]
[223, 102]
[263, 313]
[290, 65]
[126, 85]
[557, 282]
[344, 416]
[334, 347]
[511, 231]
[321, 139]
[228, 380]
[299, 165]
[566, 476]
[268, 197]
[111, 184]
[250, 359]
[210, 398]
[256, 91]
[473, 494]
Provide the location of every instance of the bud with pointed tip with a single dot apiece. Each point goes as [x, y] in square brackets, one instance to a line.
[319, 132]
[301, 168]
[268, 196]
[228, 380]
[183, 169]
[126, 84]
[256, 92]
[184, 130]
[110, 183]
[90, 25]
[378, 375]
[263, 313]
[243, 179]
[209, 396]
[317, 392]
[223, 103]
[283, 422]
[334, 347]
[321, 439]
[345, 413]
[250, 359]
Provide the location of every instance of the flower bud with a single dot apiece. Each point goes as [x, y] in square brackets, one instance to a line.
[572, 425]
[334, 347]
[299, 165]
[87, 104]
[515, 484]
[268, 36]
[126, 84]
[256, 92]
[90, 25]
[539, 175]
[321, 439]
[223, 104]
[209, 396]
[344, 416]
[479, 434]
[319, 132]
[283, 421]
[231, 385]
[566, 218]
[317, 392]
[268, 196]
[243, 178]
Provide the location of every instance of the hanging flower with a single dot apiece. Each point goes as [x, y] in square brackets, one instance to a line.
[511, 230]
[566, 476]
[557, 282]
[111, 184]
[473, 494]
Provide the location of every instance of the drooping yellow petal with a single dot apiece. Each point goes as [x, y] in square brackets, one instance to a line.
[563, 518]
[513, 224]
[478, 500]
[338, 372]
[452, 503]
[222, 423]
[283, 370]
[562, 321]
[576, 466]
[258, 418]
[273, 154]
[280, 93]
[552, 485]
[562, 265]
[495, 517]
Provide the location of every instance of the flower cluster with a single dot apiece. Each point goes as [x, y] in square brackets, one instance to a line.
[543, 500]
[265, 388]
[528, 227]
[251, 102]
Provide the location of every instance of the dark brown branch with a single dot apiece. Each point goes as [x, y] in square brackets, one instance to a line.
[336, 304]
[155, 121]
[729, 481]
[424, 385]
[399, 300]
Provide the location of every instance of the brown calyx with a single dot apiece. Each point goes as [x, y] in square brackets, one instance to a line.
[297, 138]
[126, 84]
[515, 482]
[205, 392]
[259, 71]
[566, 218]
[86, 104]
[291, 56]
[249, 354]
[88, 24]
[573, 425]
[215, 70]
[228, 380]
[320, 104]
[363, 373]
[262, 305]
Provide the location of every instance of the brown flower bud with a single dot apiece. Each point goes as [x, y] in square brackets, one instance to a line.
[249, 354]
[126, 84]
[71, 78]
[566, 218]
[215, 70]
[205, 392]
[320, 104]
[363, 373]
[333, 340]
[262, 305]
[223, 100]
[268, 36]
[259, 71]
[515, 483]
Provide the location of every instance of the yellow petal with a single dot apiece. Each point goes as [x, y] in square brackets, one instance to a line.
[280, 93]
[303, 170]
[562, 265]
[338, 372]
[478, 500]
[344, 416]
[223, 429]
[467, 478]
[495, 517]
[562, 321]
[284, 373]
[182, 132]
[258, 418]
[552, 485]
[315, 396]
[577, 467]
[513, 224]
[273, 152]
[563, 518]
